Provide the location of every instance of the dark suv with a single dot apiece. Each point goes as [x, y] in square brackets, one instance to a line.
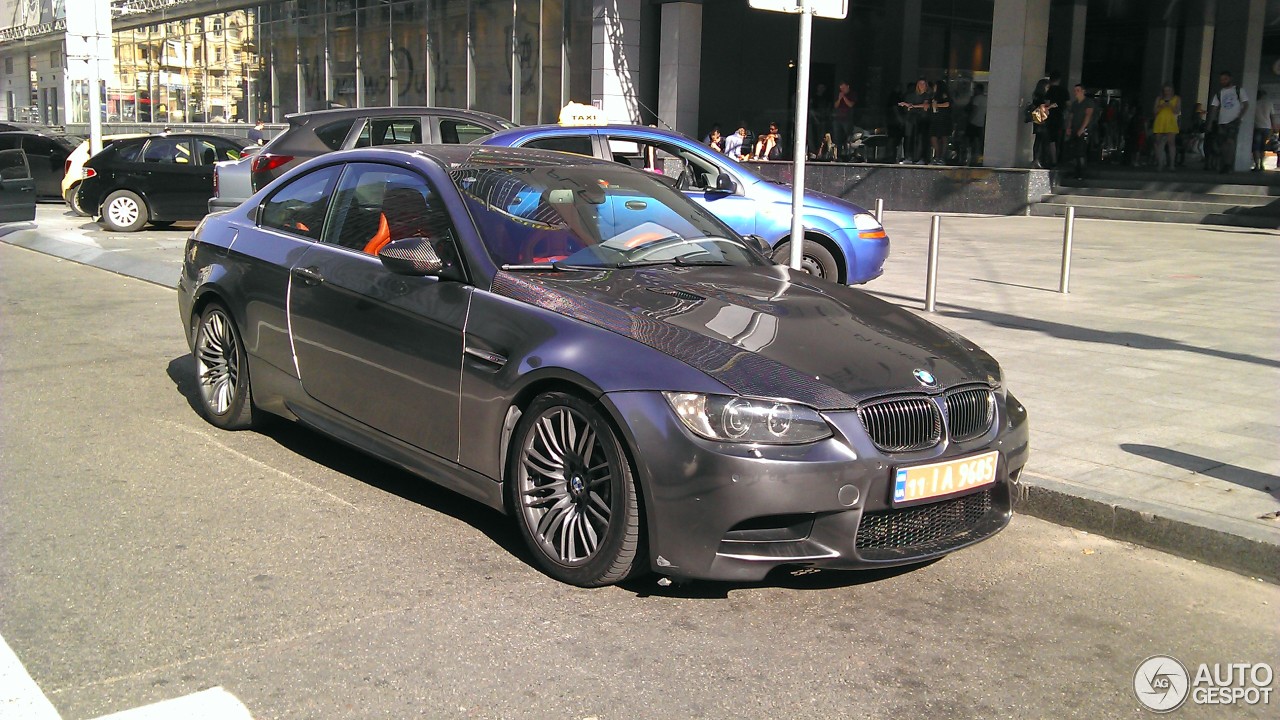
[47, 154]
[315, 133]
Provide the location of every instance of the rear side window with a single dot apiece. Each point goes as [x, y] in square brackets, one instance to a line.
[10, 142]
[167, 150]
[333, 134]
[130, 153]
[461, 132]
[390, 131]
[299, 207]
[576, 144]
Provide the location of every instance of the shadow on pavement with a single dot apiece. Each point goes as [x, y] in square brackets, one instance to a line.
[357, 465]
[1204, 466]
[786, 578]
[1084, 334]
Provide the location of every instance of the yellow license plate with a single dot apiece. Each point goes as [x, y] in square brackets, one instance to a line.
[929, 482]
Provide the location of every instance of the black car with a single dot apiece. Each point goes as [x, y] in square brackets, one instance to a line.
[576, 343]
[47, 155]
[158, 179]
[314, 133]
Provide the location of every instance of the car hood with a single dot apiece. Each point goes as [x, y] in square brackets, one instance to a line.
[764, 331]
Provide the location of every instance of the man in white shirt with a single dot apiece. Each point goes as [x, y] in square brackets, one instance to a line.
[1229, 104]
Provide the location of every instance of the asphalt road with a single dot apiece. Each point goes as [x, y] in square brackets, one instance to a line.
[145, 555]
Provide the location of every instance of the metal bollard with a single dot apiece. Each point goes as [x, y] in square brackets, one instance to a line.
[1064, 281]
[931, 285]
[880, 210]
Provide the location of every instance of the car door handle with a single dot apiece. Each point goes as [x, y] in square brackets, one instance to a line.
[308, 275]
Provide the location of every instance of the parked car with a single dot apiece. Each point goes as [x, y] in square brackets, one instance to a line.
[17, 188]
[73, 169]
[47, 154]
[158, 179]
[577, 344]
[314, 133]
[844, 242]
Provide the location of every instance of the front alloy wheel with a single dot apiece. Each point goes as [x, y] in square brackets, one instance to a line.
[573, 493]
[222, 371]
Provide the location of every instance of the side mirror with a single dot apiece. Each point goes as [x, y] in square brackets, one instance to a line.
[411, 256]
[725, 183]
[760, 245]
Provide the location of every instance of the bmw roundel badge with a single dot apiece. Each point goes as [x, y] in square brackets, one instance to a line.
[925, 378]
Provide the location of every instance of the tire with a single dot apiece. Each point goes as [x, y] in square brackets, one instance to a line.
[73, 201]
[124, 211]
[162, 224]
[572, 492]
[222, 371]
[817, 259]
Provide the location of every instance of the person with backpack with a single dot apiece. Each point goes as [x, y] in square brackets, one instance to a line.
[1229, 104]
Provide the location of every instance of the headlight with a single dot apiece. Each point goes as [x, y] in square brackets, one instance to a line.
[748, 420]
[868, 227]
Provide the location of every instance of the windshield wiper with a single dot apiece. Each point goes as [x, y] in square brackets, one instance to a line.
[669, 261]
[552, 266]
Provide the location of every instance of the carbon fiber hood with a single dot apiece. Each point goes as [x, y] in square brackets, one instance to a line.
[763, 331]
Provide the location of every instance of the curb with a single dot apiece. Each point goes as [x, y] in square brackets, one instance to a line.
[31, 238]
[1210, 539]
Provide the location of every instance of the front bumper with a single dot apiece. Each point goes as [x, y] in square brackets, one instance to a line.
[720, 511]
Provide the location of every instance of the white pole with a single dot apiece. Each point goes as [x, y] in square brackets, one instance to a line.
[802, 124]
[1068, 231]
[931, 280]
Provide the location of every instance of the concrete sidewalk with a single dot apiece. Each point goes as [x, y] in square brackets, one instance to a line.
[1153, 388]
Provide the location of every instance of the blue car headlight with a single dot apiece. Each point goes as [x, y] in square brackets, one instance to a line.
[729, 418]
[868, 227]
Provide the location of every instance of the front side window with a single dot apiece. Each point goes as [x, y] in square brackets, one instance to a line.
[377, 204]
[663, 158]
[594, 216]
[300, 206]
[459, 132]
[390, 131]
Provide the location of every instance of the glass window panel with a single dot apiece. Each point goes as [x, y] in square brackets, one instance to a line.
[528, 53]
[552, 69]
[299, 207]
[410, 55]
[491, 55]
[448, 22]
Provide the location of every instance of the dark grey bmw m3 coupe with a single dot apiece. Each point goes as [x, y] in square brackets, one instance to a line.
[576, 344]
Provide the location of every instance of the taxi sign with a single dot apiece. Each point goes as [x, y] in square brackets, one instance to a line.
[579, 114]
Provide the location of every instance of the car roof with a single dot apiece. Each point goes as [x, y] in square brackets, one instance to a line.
[454, 157]
[553, 129]
[228, 138]
[55, 135]
[305, 118]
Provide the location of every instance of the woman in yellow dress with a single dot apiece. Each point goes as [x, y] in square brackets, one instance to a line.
[1165, 128]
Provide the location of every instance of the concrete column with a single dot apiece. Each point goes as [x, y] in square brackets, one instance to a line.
[615, 58]
[1066, 45]
[1019, 35]
[1157, 61]
[1237, 48]
[1196, 82]
[902, 56]
[680, 66]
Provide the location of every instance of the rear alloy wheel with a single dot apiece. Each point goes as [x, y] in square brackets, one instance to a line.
[817, 260]
[73, 201]
[572, 492]
[222, 371]
[124, 211]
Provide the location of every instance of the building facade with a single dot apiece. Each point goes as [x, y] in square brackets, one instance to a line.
[685, 64]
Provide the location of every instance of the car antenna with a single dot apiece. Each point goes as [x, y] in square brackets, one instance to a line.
[649, 110]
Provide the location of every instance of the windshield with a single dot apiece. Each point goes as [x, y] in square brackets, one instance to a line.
[592, 216]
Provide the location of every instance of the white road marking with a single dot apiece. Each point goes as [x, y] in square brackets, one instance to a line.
[20, 697]
[212, 704]
[209, 438]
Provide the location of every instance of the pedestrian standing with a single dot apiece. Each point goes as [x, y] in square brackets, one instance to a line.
[1263, 113]
[1226, 108]
[1168, 108]
[843, 114]
[1080, 121]
[977, 130]
[257, 134]
[916, 103]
